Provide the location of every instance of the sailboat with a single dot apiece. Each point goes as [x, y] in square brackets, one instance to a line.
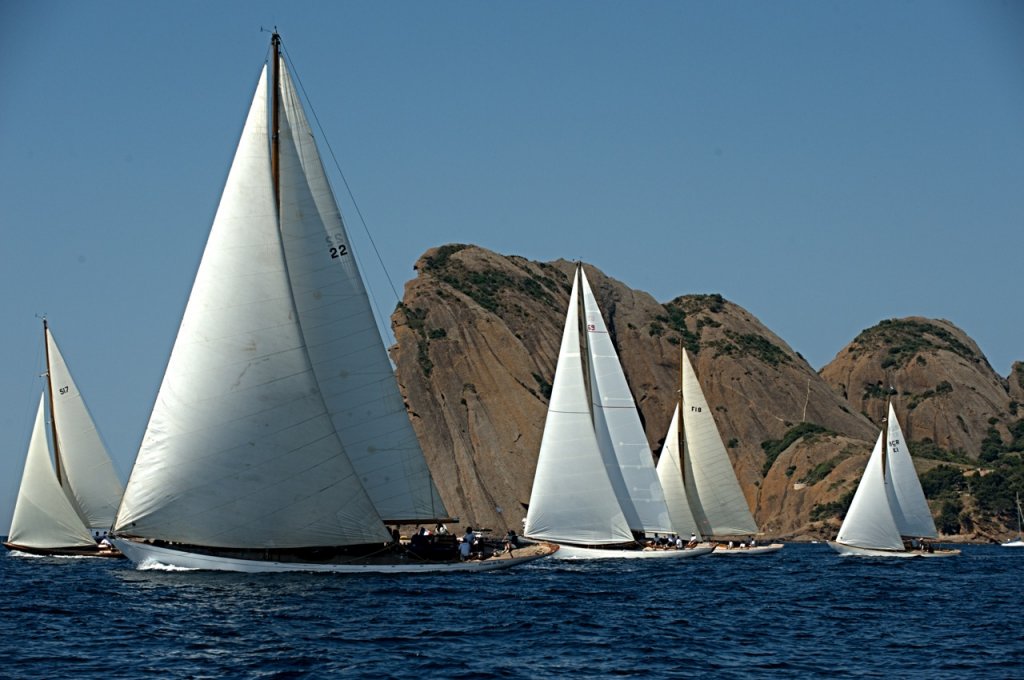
[889, 516]
[1019, 541]
[595, 492]
[64, 506]
[700, 485]
[279, 440]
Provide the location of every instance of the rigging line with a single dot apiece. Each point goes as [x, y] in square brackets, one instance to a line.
[348, 190]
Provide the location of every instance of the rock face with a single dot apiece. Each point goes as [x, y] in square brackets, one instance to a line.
[477, 341]
[940, 383]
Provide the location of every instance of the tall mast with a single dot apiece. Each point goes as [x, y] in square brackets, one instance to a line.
[275, 148]
[49, 392]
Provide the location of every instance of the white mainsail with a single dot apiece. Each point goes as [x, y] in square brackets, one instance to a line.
[573, 500]
[349, 361]
[670, 474]
[241, 450]
[86, 471]
[869, 522]
[716, 498]
[43, 516]
[619, 430]
[913, 517]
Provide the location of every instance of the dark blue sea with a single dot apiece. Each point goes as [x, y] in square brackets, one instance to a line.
[802, 612]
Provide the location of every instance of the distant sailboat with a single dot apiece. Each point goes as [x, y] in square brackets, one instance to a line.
[889, 510]
[64, 506]
[701, 489]
[1019, 541]
[595, 492]
[279, 440]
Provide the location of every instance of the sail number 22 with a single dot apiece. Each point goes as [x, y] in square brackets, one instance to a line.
[337, 247]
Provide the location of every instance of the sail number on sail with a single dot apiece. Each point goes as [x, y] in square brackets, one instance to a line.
[338, 249]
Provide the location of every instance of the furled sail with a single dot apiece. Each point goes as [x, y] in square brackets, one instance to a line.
[241, 450]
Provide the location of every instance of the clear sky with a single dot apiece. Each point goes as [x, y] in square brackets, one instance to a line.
[825, 165]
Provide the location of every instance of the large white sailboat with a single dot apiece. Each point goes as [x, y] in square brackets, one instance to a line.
[595, 492]
[889, 516]
[279, 440]
[65, 505]
[703, 495]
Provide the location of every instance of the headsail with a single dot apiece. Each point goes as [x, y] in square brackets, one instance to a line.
[670, 474]
[241, 450]
[43, 515]
[869, 522]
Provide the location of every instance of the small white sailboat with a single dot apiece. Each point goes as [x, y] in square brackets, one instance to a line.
[1019, 541]
[889, 516]
[701, 490]
[64, 506]
[595, 492]
[279, 440]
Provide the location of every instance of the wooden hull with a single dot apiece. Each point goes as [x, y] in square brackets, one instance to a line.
[756, 551]
[854, 551]
[147, 556]
[64, 552]
[572, 552]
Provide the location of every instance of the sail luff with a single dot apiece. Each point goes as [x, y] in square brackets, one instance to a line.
[572, 499]
[240, 450]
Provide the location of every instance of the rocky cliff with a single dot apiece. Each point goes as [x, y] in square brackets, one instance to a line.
[477, 342]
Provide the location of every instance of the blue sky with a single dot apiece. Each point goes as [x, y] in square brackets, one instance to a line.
[825, 165]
